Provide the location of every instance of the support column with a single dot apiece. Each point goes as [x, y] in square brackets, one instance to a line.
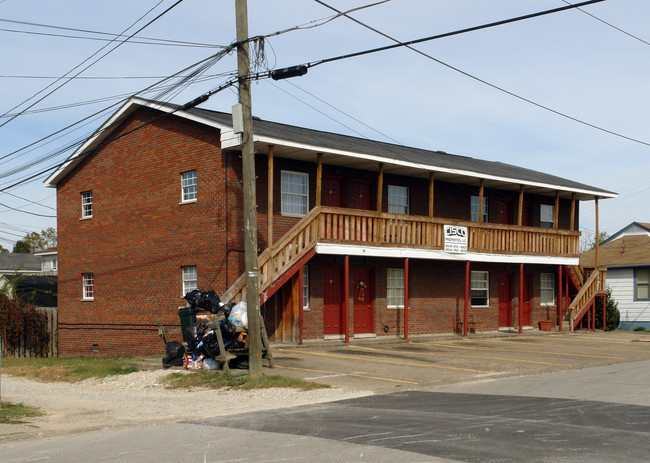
[605, 313]
[319, 179]
[597, 240]
[301, 303]
[380, 187]
[520, 210]
[467, 299]
[431, 193]
[269, 220]
[521, 297]
[480, 202]
[406, 299]
[572, 227]
[346, 297]
[560, 299]
[556, 216]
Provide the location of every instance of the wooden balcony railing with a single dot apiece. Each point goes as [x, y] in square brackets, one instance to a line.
[349, 226]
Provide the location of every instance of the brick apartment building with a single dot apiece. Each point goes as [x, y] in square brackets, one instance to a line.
[356, 238]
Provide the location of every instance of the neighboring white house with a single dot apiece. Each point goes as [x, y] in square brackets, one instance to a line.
[626, 255]
[49, 262]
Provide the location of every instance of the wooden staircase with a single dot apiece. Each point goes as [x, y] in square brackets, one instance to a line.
[585, 300]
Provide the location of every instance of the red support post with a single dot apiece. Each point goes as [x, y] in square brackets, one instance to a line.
[521, 297]
[302, 304]
[346, 297]
[605, 313]
[560, 300]
[466, 313]
[589, 310]
[406, 299]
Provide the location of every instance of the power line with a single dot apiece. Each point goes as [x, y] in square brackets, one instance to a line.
[478, 79]
[91, 64]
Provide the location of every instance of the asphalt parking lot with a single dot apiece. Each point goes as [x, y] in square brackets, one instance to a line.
[387, 365]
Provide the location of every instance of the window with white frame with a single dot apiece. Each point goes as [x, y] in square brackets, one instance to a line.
[55, 263]
[190, 278]
[88, 280]
[547, 289]
[398, 199]
[547, 216]
[305, 287]
[188, 186]
[479, 288]
[87, 204]
[642, 284]
[395, 288]
[474, 209]
[295, 193]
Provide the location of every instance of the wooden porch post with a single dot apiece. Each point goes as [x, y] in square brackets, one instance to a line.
[520, 210]
[573, 212]
[431, 189]
[480, 201]
[406, 298]
[346, 296]
[467, 286]
[597, 241]
[521, 297]
[380, 187]
[560, 314]
[269, 198]
[319, 179]
[556, 218]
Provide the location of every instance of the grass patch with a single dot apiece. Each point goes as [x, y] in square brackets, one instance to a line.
[218, 380]
[639, 328]
[15, 413]
[66, 369]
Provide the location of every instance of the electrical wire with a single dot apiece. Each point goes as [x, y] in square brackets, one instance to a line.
[92, 63]
[478, 79]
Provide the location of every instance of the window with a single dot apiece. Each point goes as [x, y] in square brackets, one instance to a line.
[642, 283]
[479, 285]
[88, 286]
[188, 185]
[547, 216]
[87, 204]
[395, 288]
[295, 193]
[398, 199]
[190, 277]
[547, 289]
[54, 263]
[305, 287]
[474, 209]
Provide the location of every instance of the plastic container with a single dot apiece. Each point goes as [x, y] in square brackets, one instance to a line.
[187, 316]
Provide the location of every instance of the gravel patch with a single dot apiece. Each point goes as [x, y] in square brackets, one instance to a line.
[139, 399]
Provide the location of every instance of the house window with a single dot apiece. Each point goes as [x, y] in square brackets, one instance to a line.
[547, 289]
[305, 287]
[479, 286]
[642, 283]
[88, 286]
[547, 216]
[398, 199]
[295, 193]
[395, 288]
[474, 209]
[87, 204]
[188, 185]
[54, 263]
[190, 277]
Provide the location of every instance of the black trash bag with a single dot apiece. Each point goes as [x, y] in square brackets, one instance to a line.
[174, 352]
[194, 333]
[210, 302]
[239, 363]
[226, 308]
[193, 298]
[228, 329]
[233, 343]
[210, 344]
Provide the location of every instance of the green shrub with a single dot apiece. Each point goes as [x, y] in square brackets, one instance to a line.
[613, 316]
[639, 328]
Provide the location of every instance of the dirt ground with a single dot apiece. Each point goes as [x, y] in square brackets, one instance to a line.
[352, 370]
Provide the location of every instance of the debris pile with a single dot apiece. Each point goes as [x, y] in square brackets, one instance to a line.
[202, 337]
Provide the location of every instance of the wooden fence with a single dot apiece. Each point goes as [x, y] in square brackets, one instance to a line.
[21, 349]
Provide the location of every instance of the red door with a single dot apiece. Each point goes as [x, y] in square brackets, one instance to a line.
[332, 301]
[504, 211]
[362, 195]
[363, 296]
[333, 192]
[526, 315]
[505, 299]
[527, 214]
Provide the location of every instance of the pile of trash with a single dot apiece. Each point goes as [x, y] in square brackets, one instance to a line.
[201, 336]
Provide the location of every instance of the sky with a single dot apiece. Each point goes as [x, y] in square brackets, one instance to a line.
[566, 94]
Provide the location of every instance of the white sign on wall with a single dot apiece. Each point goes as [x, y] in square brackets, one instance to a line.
[455, 239]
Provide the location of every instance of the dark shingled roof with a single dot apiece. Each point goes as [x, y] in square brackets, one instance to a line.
[19, 262]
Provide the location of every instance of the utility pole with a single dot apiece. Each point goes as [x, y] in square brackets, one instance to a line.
[250, 210]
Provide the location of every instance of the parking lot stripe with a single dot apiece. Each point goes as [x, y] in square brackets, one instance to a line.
[349, 357]
[347, 374]
[565, 345]
[481, 357]
[568, 354]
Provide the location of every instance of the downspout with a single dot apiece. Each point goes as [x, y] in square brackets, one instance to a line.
[466, 313]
